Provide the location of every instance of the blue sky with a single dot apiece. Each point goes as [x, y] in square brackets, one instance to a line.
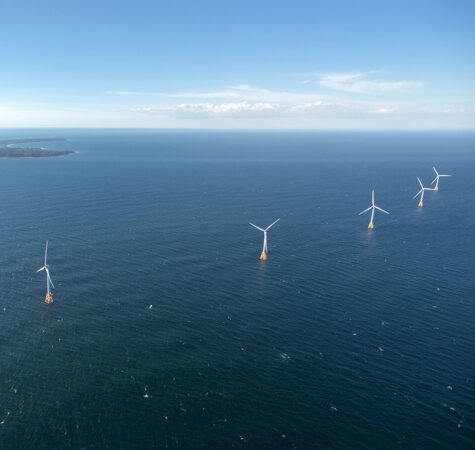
[247, 64]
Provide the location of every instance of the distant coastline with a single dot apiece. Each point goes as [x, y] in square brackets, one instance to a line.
[8, 149]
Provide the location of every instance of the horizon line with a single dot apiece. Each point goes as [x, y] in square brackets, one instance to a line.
[279, 130]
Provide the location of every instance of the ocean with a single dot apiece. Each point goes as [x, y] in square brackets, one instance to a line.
[167, 331]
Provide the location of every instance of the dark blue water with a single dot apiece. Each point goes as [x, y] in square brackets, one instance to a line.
[343, 338]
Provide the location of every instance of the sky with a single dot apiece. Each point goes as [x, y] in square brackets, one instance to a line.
[314, 65]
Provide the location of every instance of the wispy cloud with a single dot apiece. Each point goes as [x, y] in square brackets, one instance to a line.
[362, 83]
[251, 105]
[214, 94]
[244, 94]
[240, 93]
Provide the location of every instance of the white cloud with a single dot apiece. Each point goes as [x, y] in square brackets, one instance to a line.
[335, 110]
[361, 83]
[237, 108]
[314, 107]
[225, 108]
[145, 109]
[209, 108]
[383, 110]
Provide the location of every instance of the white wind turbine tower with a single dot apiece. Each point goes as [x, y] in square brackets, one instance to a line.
[372, 207]
[49, 297]
[436, 179]
[421, 204]
[264, 247]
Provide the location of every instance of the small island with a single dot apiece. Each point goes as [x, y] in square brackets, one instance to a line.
[8, 149]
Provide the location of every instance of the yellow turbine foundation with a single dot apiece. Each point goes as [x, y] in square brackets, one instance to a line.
[421, 204]
[370, 226]
[48, 299]
[436, 188]
[263, 256]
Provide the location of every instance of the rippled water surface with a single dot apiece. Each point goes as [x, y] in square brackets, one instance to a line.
[168, 331]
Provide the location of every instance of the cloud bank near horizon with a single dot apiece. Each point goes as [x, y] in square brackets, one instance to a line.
[332, 100]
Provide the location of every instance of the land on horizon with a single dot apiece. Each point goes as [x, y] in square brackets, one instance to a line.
[8, 151]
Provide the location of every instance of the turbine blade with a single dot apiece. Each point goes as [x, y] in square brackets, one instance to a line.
[420, 182]
[372, 197]
[435, 170]
[366, 210]
[435, 179]
[272, 224]
[39, 270]
[417, 194]
[255, 226]
[46, 251]
[445, 175]
[49, 278]
[381, 209]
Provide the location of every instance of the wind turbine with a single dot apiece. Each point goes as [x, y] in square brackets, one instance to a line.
[421, 204]
[436, 179]
[264, 247]
[372, 207]
[49, 297]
